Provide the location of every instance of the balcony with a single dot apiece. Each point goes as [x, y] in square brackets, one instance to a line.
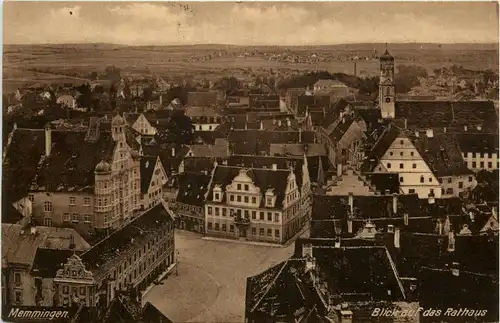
[239, 220]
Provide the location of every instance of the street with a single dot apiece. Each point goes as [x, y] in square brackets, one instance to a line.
[212, 276]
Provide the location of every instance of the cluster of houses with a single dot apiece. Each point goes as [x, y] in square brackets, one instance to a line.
[368, 179]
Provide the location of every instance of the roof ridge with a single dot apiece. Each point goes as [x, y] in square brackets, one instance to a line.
[268, 288]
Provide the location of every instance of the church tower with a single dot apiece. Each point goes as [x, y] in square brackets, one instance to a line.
[387, 90]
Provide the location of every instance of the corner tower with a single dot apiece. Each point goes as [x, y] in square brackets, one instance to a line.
[387, 89]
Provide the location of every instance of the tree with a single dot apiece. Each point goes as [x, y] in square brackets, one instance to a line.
[84, 100]
[112, 73]
[179, 129]
[147, 94]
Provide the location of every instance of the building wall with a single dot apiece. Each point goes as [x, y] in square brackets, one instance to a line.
[349, 182]
[205, 126]
[481, 161]
[20, 284]
[72, 209]
[453, 186]
[155, 191]
[346, 147]
[415, 176]
[191, 217]
[143, 126]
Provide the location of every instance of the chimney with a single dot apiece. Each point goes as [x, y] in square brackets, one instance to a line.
[14, 126]
[429, 133]
[355, 72]
[479, 127]
[275, 167]
[261, 126]
[279, 123]
[173, 151]
[455, 270]
[432, 198]
[417, 134]
[343, 120]
[339, 170]
[307, 250]
[48, 140]
[341, 114]
[440, 227]
[288, 122]
[72, 244]
[349, 224]
[397, 237]
[161, 100]
[300, 135]
[465, 127]
[444, 129]
[395, 203]
[451, 241]
[406, 123]
[337, 242]
[33, 230]
[390, 228]
[405, 218]
[351, 203]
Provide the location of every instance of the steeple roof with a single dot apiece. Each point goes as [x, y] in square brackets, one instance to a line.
[387, 56]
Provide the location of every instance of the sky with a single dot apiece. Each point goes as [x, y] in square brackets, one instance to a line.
[264, 23]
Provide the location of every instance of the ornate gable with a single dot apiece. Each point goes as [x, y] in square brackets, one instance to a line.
[74, 271]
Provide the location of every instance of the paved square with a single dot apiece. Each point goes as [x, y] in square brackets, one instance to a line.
[212, 276]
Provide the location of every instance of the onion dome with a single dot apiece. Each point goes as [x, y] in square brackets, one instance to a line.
[103, 167]
[386, 56]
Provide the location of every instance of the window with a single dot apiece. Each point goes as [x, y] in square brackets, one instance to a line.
[470, 179]
[217, 227]
[261, 231]
[388, 165]
[217, 211]
[246, 199]
[86, 218]
[449, 180]
[17, 278]
[231, 198]
[210, 210]
[401, 180]
[401, 166]
[254, 215]
[276, 217]
[86, 201]
[460, 185]
[247, 214]
[269, 232]
[74, 217]
[82, 291]
[412, 154]
[402, 142]
[421, 179]
[481, 165]
[391, 153]
[254, 231]
[473, 155]
[72, 200]
[47, 206]
[246, 187]
[19, 296]
[482, 155]
[490, 155]
[254, 200]
[449, 190]
[269, 201]
[231, 228]
[490, 165]
[238, 198]
[47, 222]
[224, 211]
[269, 216]
[238, 187]
[414, 166]
[277, 233]
[31, 197]
[65, 289]
[224, 227]
[474, 164]
[210, 225]
[411, 191]
[217, 196]
[261, 215]
[401, 154]
[430, 179]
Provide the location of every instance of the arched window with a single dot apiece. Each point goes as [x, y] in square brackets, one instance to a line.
[421, 179]
[47, 222]
[388, 91]
[388, 165]
[47, 206]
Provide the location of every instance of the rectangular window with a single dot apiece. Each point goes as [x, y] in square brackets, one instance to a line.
[231, 198]
[223, 227]
[217, 226]
[238, 198]
[474, 164]
[401, 166]
[216, 196]
[449, 180]
[210, 210]
[473, 155]
[86, 200]
[72, 200]
[490, 165]
[17, 278]
[254, 215]
[217, 212]
[261, 231]
[87, 218]
[269, 216]
[231, 228]
[430, 179]
[66, 217]
[490, 155]
[74, 217]
[19, 296]
[276, 217]
[254, 200]
[246, 187]
[269, 201]
[261, 214]
[224, 211]
[412, 154]
[414, 166]
[401, 179]
[246, 199]
[269, 232]
[470, 178]
[210, 225]
[481, 155]
[254, 230]
[277, 233]
[460, 185]
[238, 186]
[247, 214]
[481, 165]
[401, 153]
[411, 191]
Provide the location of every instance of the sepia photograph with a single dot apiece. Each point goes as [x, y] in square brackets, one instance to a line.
[250, 162]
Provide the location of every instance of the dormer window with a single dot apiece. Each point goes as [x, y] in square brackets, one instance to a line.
[270, 198]
[217, 194]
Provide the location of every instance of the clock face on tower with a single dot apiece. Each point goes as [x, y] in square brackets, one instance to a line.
[388, 100]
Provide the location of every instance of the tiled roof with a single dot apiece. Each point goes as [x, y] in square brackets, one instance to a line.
[10, 214]
[147, 168]
[341, 128]
[203, 150]
[192, 188]
[151, 314]
[102, 256]
[334, 112]
[384, 181]
[263, 178]
[312, 103]
[442, 155]
[200, 164]
[202, 99]
[72, 161]
[19, 245]
[359, 273]
[48, 261]
[329, 83]
[247, 142]
[451, 114]
[477, 142]
[20, 163]
[264, 102]
[383, 142]
[201, 111]
[311, 150]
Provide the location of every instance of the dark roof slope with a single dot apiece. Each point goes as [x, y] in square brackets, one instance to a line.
[383, 142]
[48, 261]
[249, 142]
[147, 168]
[192, 188]
[202, 99]
[477, 142]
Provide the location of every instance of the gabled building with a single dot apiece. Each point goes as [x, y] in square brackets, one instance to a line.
[479, 150]
[203, 118]
[428, 164]
[153, 178]
[190, 202]
[256, 204]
